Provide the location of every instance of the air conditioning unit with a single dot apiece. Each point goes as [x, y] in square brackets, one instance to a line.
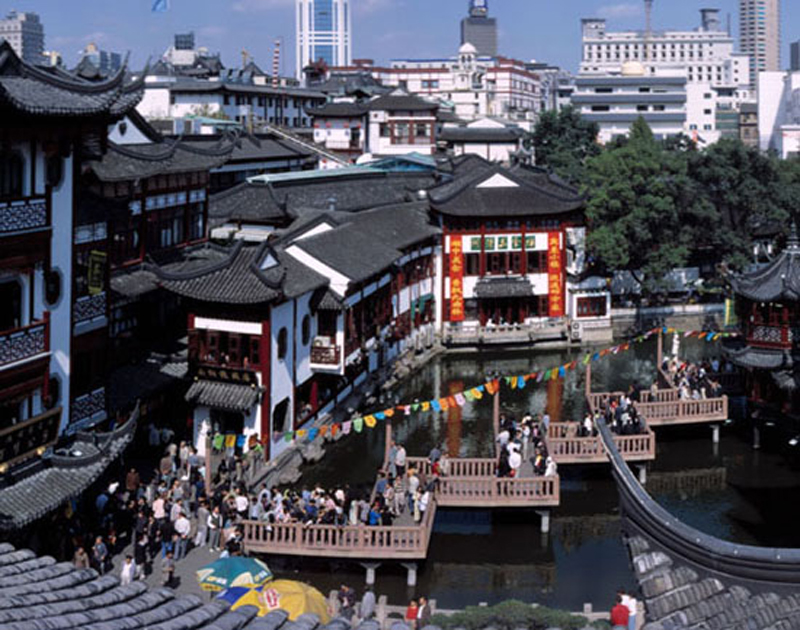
[575, 331]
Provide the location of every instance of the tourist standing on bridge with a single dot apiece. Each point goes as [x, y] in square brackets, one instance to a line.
[630, 602]
[411, 614]
[368, 604]
[424, 613]
[347, 602]
[400, 461]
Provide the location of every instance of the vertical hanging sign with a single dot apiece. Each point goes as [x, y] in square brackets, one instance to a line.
[554, 286]
[456, 279]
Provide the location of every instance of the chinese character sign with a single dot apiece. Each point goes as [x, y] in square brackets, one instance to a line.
[456, 279]
[555, 287]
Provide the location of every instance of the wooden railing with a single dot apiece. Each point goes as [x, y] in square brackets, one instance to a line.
[347, 541]
[566, 445]
[492, 492]
[457, 467]
[684, 411]
[25, 439]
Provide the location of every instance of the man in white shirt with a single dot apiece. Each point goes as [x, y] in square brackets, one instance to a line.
[128, 573]
[182, 528]
[400, 460]
[630, 602]
[242, 504]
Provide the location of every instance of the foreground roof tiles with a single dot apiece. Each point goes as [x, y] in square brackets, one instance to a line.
[780, 280]
[32, 90]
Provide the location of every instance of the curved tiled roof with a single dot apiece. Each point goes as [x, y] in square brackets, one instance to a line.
[131, 162]
[61, 476]
[225, 396]
[480, 134]
[339, 110]
[530, 192]
[251, 203]
[691, 580]
[35, 91]
[780, 280]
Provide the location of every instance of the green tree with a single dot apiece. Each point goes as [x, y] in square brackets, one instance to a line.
[639, 208]
[740, 190]
[562, 141]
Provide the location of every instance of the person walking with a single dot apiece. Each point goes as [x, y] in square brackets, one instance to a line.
[400, 460]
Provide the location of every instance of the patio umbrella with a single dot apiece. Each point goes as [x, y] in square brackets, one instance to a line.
[296, 598]
[233, 571]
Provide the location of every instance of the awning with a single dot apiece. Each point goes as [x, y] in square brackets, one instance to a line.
[501, 287]
[224, 396]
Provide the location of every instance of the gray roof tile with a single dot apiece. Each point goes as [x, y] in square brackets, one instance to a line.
[226, 396]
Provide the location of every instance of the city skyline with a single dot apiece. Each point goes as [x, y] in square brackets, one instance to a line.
[382, 30]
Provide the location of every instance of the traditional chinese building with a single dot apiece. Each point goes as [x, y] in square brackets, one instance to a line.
[505, 242]
[768, 310]
[280, 331]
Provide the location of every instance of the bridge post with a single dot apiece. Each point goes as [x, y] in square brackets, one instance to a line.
[388, 445]
[660, 351]
[642, 469]
[496, 412]
[589, 379]
[715, 433]
[371, 567]
[411, 573]
[545, 516]
[756, 437]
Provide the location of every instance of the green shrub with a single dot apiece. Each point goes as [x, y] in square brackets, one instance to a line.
[511, 615]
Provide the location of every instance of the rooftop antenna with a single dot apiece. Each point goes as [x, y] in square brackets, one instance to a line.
[648, 27]
[245, 55]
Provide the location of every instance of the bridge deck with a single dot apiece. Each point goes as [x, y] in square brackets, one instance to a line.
[566, 446]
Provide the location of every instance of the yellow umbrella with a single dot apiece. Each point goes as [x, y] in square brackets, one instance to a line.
[296, 598]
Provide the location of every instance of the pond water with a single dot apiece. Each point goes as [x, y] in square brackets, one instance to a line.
[730, 490]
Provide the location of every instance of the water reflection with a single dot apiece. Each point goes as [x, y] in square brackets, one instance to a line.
[479, 556]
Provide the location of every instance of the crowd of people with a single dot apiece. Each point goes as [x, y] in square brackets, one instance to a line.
[619, 413]
[523, 441]
[623, 613]
[694, 381]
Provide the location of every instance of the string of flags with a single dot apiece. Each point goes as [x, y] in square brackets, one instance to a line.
[370, 421]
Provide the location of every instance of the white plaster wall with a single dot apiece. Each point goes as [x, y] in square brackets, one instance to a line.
[60, 313]
[154, 103]
[228, 325]
[303, 359]
[281, 370]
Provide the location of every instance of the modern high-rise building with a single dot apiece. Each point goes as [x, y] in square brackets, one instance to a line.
[323, 33]
[479, 29]
[760, 35]
[795, 56]
[25, 33]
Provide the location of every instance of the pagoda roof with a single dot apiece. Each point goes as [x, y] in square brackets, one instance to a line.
[493, 190]
[32, 90]
[778, 280]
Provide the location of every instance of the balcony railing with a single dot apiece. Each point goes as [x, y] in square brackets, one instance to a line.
[88, 409]
[771, 336]
[24, 343]
[24, 439]
[325, 355]
[23, 214]
[90, 307]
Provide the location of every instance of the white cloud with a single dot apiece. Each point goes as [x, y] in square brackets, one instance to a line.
[372, 6]
[622, 10]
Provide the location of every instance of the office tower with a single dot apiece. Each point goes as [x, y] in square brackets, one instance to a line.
[479, 29]
[760, 35]
[323, 33]
[25, 33]
[795, 56]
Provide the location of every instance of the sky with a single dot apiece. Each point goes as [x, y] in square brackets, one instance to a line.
[545, 30]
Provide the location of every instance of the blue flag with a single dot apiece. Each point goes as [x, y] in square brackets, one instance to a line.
[160, 6]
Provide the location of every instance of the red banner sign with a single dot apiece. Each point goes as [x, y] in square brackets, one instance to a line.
[554, 271]
[456, 279]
